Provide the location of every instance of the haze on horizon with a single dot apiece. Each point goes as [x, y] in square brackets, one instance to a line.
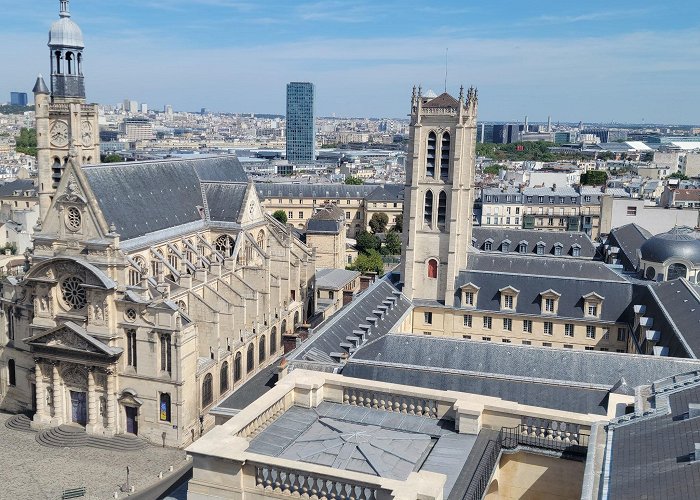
[631, 62]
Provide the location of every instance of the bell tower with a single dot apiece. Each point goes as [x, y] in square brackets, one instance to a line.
[439, 198]
[66, 126]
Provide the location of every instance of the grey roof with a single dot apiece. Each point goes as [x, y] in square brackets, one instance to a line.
[252, 389]
[567, 192]
[676, 243]
[334, 279]
[324, 226]
[40, 86]
[533, 275]
[652, 457]
[329, 212]
[387, 192]
[628, 238]
[675, 308]
[9, 188]
[501, 195]
[332, 336]
[563, 379]
[224, 201]
[144, 197]
[366, 440]
[319, 192]
[515, 236]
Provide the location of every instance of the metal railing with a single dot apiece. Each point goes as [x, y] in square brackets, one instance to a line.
[484, 469]
[567, 440]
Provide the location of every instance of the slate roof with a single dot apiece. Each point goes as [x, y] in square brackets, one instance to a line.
[572, 278]
[9, 188]
[562, 379]
[676, 243]
[444, 100]
[224, 201]
[324, 226]
[651, 457]
[628, 238]
[252, 389]
[144, 197]
[329, 212]
[567, 239]
[334, 279]
[334, 332]
[498, 195]
[570, 195]
[387, 192]
[315, 191]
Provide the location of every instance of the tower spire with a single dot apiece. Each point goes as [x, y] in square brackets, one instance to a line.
[65, 9]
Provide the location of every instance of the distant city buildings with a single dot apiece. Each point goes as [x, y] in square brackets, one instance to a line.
[18, 98]
[301, 125]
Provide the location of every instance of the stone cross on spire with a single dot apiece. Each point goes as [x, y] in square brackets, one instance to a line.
[65, 11]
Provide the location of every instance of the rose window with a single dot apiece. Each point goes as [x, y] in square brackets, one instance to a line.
[130, 315]
[73, 219]
[73, 292]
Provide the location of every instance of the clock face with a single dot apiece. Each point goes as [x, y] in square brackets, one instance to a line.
[59, 134]
[86, 134]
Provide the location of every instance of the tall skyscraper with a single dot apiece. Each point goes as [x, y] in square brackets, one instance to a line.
[67, 127]
[301, 123]
[439, 195]
[18, 98]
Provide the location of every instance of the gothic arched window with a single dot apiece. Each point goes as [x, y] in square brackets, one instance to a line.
[273, 341]
[250, 362]
[442, 210]
[69, 63]
[445, 156]
[223, 378]
[432, 146]
[224, 244]
[428, 211]
[11, 375]
[261, 349]
[207, 390]
[432, 268]
[237, 367]
[261, 239]
[164, 407]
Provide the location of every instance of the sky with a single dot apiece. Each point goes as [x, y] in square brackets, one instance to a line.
[594, 61]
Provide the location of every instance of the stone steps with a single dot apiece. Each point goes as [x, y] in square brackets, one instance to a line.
[19, 423]
[69, 436]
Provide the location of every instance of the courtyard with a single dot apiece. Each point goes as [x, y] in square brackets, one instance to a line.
[29, 470]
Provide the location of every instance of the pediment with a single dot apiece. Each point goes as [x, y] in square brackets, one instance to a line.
[73, 338]
[251, 210]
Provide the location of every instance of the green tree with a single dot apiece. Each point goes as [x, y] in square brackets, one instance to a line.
[26, 141]
[354, 181]
[280, 215]
[398, 227]
[594, 178]
[392, 243]
[370, 262]
[112, 158]
[493, 169]
[379, 222]
[365, 242]
[678, 175]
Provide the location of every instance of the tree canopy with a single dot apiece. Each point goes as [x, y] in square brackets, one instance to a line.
[678, 175]
[594, 178]
[379, 222]
[26, 141]
[280, 215]
[365, 242]
[370, 262]
[392, 243]
[398, 227]
[354, 181]
[112, 158]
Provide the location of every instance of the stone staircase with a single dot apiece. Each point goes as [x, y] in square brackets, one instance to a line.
[19, 423]
[70, 436]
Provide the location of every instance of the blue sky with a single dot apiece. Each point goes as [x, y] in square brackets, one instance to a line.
[624, 61]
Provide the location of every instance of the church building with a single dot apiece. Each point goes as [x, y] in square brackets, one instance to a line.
[155, 289]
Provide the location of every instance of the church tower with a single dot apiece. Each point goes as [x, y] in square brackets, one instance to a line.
[439, 197]
[66, 127]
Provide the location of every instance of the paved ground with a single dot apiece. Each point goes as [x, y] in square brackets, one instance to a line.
[31, 471]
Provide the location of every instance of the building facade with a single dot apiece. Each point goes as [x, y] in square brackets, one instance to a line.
[301, 123]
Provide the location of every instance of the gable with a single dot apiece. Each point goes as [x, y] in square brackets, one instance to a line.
[251, 209]
[71, 338]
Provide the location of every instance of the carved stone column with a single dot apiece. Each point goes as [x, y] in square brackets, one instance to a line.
[42, 416]
[111, 402]
[58, 409]
[92, 403]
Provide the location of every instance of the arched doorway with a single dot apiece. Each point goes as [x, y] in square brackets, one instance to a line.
[676, 271]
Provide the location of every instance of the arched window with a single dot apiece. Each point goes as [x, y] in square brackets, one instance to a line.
[676, 271]
[137, 271]
[428, 212]
[164, 407]
[273, 341]
[11, 375]
[445, 156]
[284, 326]
[296, 319]
[442, 210]
[650, 273]
[69, 63]
[261, 350]
[432, 268]
[261, 239]
[224, 244]
[80, 63]
[237, 368]
[57, 55]
[223, 378]
[207, 390]
[430, 165]
[250, 362]
[173, 259]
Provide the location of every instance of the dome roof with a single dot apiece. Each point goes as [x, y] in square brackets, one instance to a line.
[677, 243]
[65, 33]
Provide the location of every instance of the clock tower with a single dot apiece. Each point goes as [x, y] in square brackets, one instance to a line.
[66, 127]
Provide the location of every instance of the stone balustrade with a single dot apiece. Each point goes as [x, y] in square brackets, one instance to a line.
[397, 403]
[265, 418]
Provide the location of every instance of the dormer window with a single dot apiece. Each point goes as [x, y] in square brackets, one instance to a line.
[505, 246]
[522, 247]
[576, 250]
[509, 298]
[469, 295]
[558, 247]
[488, 244]
[549, 301]
[593, 305]
[540, 248]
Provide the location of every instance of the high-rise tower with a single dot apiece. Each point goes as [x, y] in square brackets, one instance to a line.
[301, 123]
[438, 202]
[66, 126]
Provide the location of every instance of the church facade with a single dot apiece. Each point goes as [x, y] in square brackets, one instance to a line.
[154, 290]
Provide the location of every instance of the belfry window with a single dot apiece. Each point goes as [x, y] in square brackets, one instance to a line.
[432, 146]
[428, 212]
[445, 156]
[442, 210]
[432, 268]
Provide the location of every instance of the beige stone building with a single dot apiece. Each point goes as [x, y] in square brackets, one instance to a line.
[325, 233]
[155, 289]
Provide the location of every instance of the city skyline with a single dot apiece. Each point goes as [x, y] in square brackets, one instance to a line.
[364, 57]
